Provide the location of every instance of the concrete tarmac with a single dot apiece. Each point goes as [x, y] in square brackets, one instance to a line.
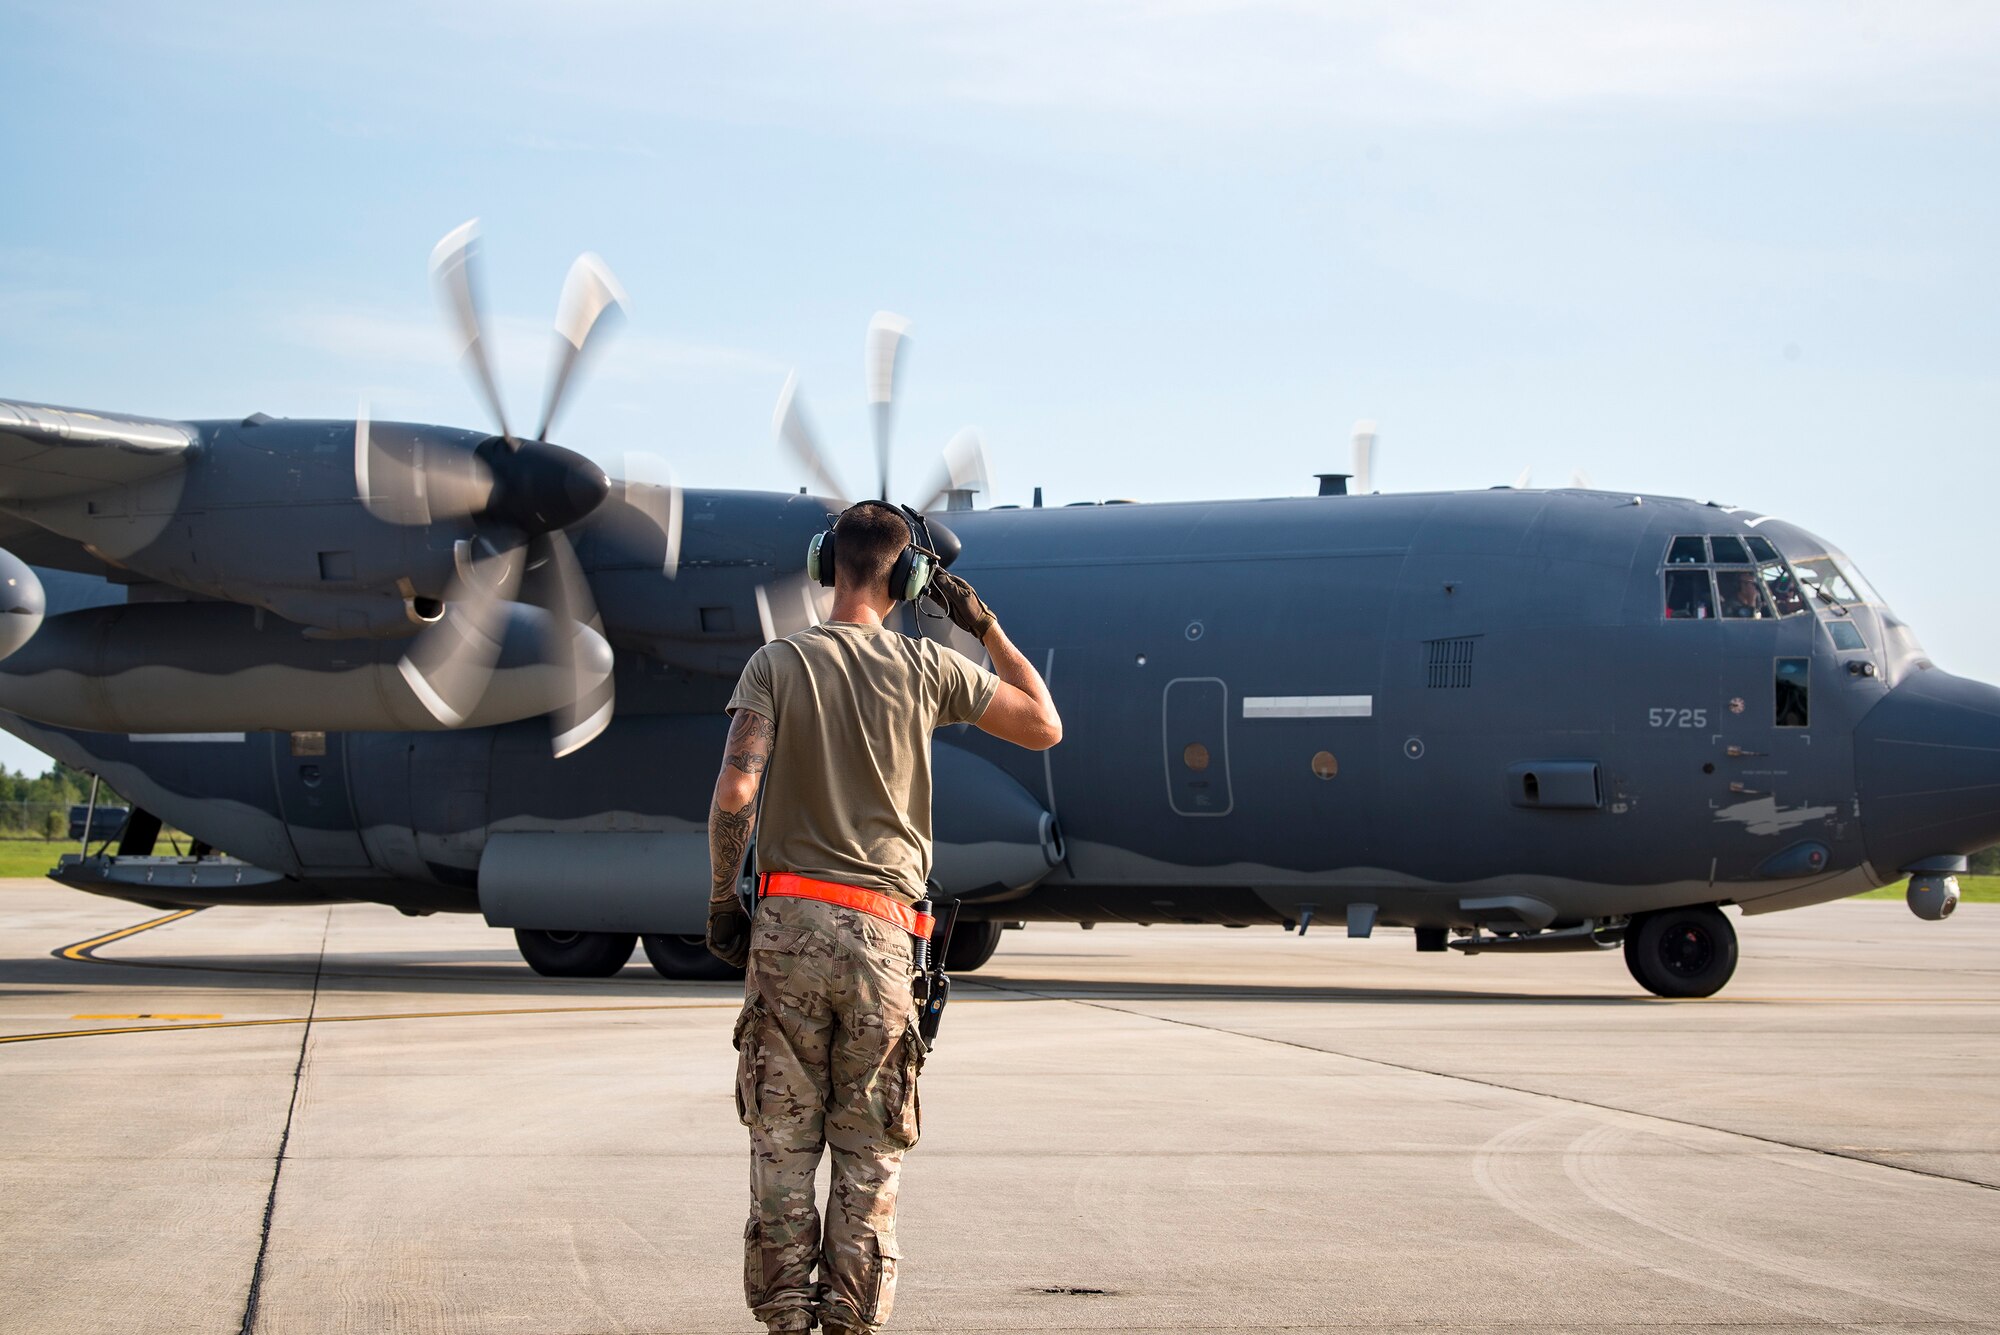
[346, 1120]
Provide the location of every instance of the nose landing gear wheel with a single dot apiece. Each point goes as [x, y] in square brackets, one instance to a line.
[574, 954]
[1688, 952]
[685, 959]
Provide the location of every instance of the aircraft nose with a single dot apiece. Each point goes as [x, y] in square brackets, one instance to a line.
[1927, 766]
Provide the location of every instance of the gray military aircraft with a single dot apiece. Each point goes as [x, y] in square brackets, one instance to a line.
[464, 671]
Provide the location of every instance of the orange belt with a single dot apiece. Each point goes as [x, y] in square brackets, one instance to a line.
[790, 885]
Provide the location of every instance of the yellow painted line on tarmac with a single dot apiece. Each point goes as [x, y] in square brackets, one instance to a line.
[81, 950]
[403, 1015]
[148, 1015]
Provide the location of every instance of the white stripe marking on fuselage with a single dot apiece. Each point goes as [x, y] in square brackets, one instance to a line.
[1308, 706]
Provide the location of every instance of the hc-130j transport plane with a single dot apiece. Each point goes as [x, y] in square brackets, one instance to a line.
[463, 671]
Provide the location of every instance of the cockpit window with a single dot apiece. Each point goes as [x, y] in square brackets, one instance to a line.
[1751, 581]
[1857, 581]
[1822, 576]
[1781, 588]
[1742, 593]
[1688, 597]
[1729, 551]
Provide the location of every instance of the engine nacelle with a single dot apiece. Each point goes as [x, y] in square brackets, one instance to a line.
[1932, 897]
[222, 667]
[22, 603]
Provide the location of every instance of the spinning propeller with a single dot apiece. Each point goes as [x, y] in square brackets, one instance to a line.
[790, 604]
[518, 576]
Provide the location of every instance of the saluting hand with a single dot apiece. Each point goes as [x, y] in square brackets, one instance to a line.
[962, 604]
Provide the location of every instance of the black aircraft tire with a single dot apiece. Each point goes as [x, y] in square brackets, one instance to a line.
[575, 954]
[1688, 952]
[685, 959]
[972, 944]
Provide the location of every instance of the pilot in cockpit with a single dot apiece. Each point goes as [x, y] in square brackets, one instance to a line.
[1739, 595]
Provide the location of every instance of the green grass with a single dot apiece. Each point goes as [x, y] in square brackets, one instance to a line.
[1971, 890]
[34, 857]
[31, 857]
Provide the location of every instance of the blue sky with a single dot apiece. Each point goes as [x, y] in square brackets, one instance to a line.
[1740, 251]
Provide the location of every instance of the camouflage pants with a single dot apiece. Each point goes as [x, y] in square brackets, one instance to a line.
[829, 1056]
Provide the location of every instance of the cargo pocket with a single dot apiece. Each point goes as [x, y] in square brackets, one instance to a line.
[903, 1114]
[749, 1042]
[876, 1284]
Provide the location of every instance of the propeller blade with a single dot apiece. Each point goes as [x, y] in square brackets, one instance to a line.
[388, 490]
[788, 606]
[455, 273]
[451, 660]
[1525, 476]
[400, 481]
[648, 487]
[1364, 457]
[556, 583]
[1581, 481]
[789, 422]
[888, 334]
[962, 468]
[590, 294]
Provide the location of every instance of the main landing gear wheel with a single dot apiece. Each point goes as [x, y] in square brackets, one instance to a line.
[1688, 952]
[574, 954]
[686, 959]
[972, 944]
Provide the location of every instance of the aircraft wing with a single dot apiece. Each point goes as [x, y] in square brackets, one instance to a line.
[48, 452]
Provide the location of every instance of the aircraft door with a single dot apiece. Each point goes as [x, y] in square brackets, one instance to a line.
[310, 773]
[1196, 745]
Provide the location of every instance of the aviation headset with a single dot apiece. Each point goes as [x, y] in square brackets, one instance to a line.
[915, 564]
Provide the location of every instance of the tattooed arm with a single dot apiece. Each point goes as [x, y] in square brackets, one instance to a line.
[732, 818]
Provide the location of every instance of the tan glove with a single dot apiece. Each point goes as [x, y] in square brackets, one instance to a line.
[962, 604]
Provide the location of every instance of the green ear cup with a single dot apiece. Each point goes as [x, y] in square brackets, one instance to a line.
[819, 559]
[921, 567]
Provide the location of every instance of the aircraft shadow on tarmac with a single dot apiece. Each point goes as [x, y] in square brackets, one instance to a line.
[477, 972]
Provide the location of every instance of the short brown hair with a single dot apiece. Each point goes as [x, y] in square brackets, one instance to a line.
[867, 539]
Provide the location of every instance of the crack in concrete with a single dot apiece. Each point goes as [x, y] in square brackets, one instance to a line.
[251, 1298]
[1511, 1089]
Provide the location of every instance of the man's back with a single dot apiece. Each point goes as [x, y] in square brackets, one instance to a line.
[850, 765]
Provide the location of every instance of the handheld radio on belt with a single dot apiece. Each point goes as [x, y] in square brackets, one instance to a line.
[932, 986]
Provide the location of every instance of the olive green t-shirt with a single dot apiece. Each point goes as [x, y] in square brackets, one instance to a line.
[847, 792]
